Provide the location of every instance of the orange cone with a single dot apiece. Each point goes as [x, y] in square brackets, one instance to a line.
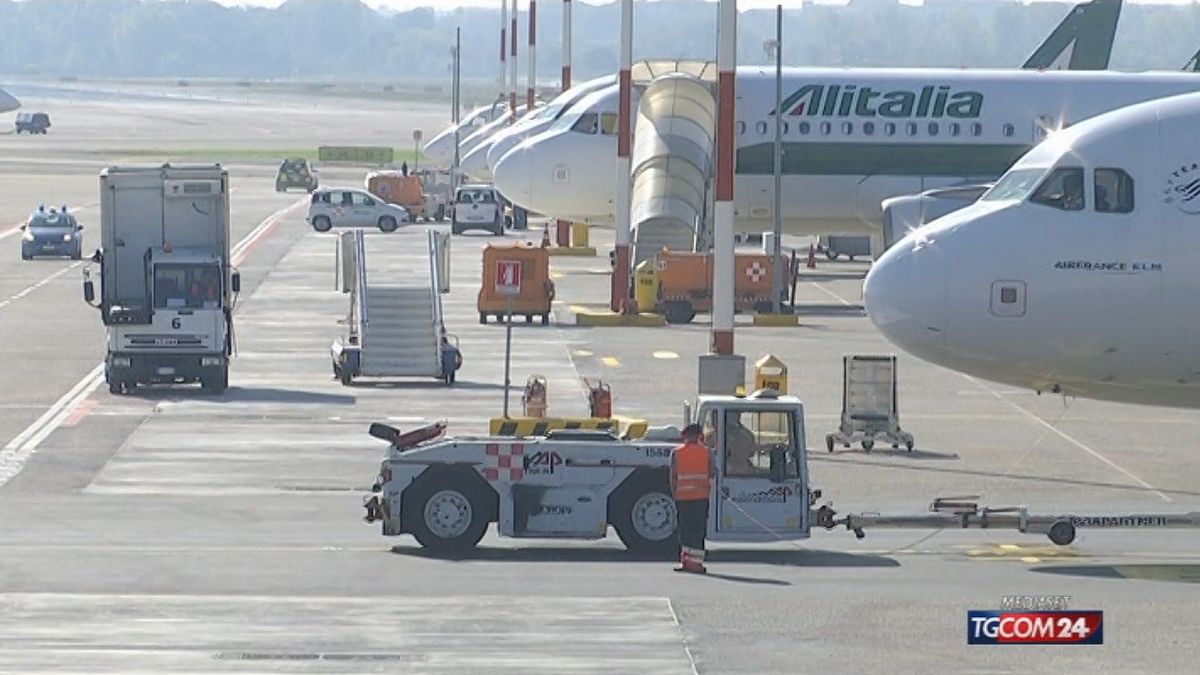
[811, 263]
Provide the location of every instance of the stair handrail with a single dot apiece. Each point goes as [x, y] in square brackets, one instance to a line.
[360, 276]
[435, 286]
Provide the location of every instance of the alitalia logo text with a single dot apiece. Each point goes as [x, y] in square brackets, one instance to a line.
[845, 100]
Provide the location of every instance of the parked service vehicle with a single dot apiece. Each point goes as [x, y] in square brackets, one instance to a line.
[477, 207]
[167, 285]
[295, 172]
[397, 187]
[348, 207]
[50, 232]
[32, 122]
[848, 245]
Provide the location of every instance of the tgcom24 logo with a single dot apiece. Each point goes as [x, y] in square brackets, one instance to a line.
[1065, 627]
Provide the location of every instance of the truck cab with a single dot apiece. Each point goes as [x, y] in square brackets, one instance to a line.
[761, 488]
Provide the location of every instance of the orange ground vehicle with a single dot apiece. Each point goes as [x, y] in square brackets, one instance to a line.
[685, 282]
[396, 188]
[519, 275]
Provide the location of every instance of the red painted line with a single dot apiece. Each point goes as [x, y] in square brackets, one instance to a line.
[4, 234]
[81, 411]
[253, 243]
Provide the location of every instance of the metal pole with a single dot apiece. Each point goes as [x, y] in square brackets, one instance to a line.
[507, 353]
[503, 49]
[777, 253]
[723, 260]
[619, 299]
[457, 108]
[566, 46]
[512, 63]
[531, 86]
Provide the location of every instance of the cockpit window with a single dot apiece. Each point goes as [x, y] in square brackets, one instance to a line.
[1114, 191]
[1014, 185]
[587, 124]
[1062, 189]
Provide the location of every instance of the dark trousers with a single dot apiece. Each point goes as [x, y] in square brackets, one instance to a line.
[693, 522]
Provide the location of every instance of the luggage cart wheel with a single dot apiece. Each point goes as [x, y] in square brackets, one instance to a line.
[829, 442]
[909, 445]
[868, 444]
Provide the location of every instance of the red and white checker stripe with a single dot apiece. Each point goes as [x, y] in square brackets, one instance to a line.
[505, 462]
[756, 271]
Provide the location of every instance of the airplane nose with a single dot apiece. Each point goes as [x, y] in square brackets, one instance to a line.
[905, 294]
[513, 174]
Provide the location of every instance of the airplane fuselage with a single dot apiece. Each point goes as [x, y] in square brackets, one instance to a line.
[851, 138]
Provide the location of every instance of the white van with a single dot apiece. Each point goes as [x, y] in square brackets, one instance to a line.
[477, 207]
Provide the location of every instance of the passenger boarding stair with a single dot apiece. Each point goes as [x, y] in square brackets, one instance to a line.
[672, 156]
[395, 321]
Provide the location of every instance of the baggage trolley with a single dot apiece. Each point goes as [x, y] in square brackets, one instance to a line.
[869, 409]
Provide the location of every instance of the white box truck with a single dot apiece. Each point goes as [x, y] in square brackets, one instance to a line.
[167, 285]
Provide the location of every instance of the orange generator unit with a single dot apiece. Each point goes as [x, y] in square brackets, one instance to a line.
[396, 188]
[685, 283]
[516, 278]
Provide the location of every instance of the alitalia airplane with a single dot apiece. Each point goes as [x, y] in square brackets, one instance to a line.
[852, 137]
[1074, 274]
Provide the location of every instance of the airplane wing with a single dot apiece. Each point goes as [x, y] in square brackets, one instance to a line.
[8, 101]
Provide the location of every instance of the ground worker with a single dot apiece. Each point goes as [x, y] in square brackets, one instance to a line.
[451, 360]
[692, 472]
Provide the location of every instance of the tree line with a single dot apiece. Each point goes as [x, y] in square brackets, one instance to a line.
[344, 40]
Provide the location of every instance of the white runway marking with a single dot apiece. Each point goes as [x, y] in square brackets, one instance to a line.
[831, 294]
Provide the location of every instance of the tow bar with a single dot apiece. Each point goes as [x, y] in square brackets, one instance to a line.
[965, 513]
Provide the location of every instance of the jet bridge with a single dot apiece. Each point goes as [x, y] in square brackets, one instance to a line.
[672, 155]
[395, 324]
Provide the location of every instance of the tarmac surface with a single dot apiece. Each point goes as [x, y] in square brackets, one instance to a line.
[171, 531]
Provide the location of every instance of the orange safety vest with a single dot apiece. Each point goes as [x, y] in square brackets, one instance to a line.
[691, 463]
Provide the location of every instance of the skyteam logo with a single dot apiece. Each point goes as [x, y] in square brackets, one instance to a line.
[845, 100]
[1183, 189]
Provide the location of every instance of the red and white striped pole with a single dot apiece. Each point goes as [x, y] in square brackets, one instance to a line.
[562, 228]
[566, 46]
[503, 49]
[723, 261]
[619, 301]
[512, 63]
[532, 58]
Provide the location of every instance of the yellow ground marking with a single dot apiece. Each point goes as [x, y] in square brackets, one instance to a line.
[665, 354]
[611, 361]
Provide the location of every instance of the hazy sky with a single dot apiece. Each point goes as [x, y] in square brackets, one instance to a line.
[742, 4]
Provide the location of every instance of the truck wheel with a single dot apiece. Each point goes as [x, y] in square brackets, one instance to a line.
[387, 224]
[831, 255]
[643, 514]
[216, 384]
[321, 224]
[454, 229]
[546, 319]
[445, 515]
[441, 213]
[115, 387]
[680, 311]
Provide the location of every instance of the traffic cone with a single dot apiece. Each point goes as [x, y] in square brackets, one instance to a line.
[811, 263]
[546, 235]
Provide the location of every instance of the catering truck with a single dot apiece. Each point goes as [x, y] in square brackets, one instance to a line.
[167, 285]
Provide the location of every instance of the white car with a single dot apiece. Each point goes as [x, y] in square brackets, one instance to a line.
[477, 207]
[349, 207]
